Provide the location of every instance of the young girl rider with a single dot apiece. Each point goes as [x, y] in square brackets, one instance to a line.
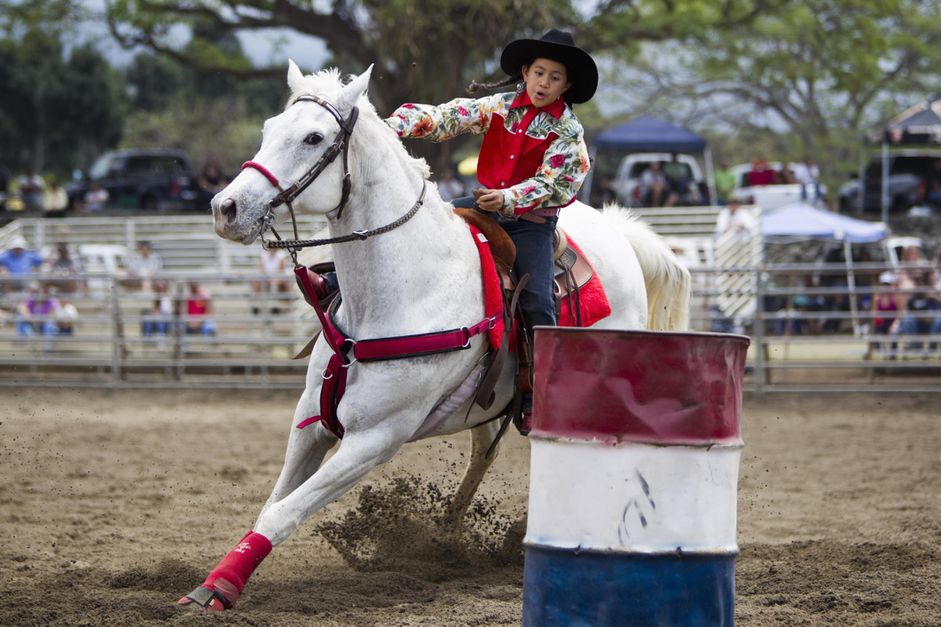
[533, 159]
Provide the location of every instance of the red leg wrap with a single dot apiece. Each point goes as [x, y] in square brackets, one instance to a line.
[238, 565]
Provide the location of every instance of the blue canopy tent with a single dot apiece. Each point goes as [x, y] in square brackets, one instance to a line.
[651, 134]
[800, 221]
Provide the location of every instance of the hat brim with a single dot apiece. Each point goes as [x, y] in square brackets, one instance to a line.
[583, 73]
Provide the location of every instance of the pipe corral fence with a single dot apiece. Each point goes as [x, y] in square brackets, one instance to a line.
[813, 327]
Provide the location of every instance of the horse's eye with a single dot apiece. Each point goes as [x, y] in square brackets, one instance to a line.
[313, 139]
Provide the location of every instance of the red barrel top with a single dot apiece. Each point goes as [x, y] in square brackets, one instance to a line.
[638, 386]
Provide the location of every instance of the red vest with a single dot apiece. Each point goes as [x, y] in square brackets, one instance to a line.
[510, 156]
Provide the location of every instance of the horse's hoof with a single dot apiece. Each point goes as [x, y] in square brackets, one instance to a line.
[219, 598]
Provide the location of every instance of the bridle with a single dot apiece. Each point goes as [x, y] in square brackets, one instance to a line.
[285, 196]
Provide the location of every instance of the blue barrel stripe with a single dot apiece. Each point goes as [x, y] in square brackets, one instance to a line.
[568, 588]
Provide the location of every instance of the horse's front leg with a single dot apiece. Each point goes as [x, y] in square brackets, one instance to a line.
[359, 452]
[306, 449]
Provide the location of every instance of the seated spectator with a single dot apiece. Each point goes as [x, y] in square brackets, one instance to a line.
[65, 266]
[273, 264]
[96, 198]
[932, 184]
[198, 308]
[55, 200]
[30, 188]
[143, 266]
[922, 311]
[761, 173]
[66, 317]
[36, 314]
[158, 320]
[4, 186]
[885, 307]
[678, 180]
[17, 261]
[654, 187]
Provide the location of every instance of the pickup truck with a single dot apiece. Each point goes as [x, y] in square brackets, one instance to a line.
[162, 180]
[627, 181]
[776, 194]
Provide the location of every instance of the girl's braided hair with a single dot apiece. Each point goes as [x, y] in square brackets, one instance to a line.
[477, 86]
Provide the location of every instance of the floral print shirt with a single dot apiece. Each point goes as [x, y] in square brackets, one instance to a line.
[538, 157]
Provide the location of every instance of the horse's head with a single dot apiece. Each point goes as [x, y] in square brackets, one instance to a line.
[301, 161]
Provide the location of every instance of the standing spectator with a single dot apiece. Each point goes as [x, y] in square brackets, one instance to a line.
[96, 198]
[273, 264]
[55, 200]
[143, 266]
[761, 172]
[807, 174]
[737, 222]
[30, 188]
[450, 187]
[725, 182]
[18, 261]
[198, 309]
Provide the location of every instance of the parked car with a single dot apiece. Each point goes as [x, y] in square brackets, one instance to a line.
[163, 180]
[627, 181]
[908, 172]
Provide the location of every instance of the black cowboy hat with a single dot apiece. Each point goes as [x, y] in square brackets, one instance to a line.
[557, 45]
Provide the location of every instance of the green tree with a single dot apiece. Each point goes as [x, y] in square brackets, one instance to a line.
[60, 101]
[423, 50]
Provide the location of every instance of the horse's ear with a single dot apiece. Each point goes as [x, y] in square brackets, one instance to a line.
[355, 89]
[295, 77]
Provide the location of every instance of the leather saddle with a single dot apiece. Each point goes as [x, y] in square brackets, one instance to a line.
[572, 270]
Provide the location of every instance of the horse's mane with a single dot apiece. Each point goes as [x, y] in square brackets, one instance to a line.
[327, 83]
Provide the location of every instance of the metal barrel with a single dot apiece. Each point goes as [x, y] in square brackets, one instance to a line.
[635, 452]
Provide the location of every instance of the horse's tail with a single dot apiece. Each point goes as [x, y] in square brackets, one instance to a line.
[666, 279]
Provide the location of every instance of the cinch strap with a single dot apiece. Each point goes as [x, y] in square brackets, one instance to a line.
[380, 349]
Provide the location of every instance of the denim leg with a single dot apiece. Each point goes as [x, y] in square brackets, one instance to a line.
[534, 257]
[909, 326]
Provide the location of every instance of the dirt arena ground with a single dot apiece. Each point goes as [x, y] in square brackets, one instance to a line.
[113, 504]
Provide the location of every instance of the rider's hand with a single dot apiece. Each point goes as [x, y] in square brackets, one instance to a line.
[489, 199]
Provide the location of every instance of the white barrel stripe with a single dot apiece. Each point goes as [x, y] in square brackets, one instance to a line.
[633, 498]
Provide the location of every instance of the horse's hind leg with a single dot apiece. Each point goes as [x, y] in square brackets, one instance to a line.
[481, 439]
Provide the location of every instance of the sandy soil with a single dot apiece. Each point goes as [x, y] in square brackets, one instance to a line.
[113, 504]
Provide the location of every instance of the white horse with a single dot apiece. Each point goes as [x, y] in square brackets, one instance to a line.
[420, 277]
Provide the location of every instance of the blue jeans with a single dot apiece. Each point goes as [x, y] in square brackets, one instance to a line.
[534, 254]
